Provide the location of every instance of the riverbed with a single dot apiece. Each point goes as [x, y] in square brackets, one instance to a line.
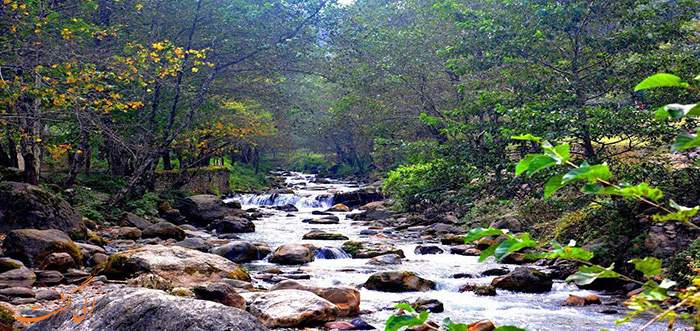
[532, 311]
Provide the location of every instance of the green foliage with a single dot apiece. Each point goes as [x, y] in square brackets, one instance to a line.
[396, 322]
[146, 205]
[244, 178]
[412, 183]
[309, 162]
[683, 266]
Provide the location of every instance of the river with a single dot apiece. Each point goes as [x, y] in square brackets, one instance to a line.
[533, 311]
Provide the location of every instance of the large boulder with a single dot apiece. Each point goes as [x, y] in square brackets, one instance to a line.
[290, 308]
[240, 251]
[398, 281]
[203, 208]
[232, 225]
[24, 206]
[366, 250]
[145, 310]
[523, 279]
[347, 299]
[33, 246]
[178, 265]
[292, 254]
[357, 198]
[164, 230]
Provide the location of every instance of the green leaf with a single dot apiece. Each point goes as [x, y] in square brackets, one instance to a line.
[396, 322]
[649, 266]
[478, 233]
[661, 114]
[685, 141]
[588, 173]
[405, 307]
[678, 111]
[540, 163]
[571, 253]
[451, 326]
[587, 274]
[682, 214]
[527, 137]
[524, 164]
[513, 245]
[488, 252]
[553, 185]
[661, 80]
[642, 190]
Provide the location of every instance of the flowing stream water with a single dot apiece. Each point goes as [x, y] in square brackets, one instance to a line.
[334, 267]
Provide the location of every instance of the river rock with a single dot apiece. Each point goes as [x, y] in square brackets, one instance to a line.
[25, 206]
[478, 289]
[178, 265]
[129, 232]
[58, 261]
[431, 305]
[290, 308]
[240, 251]
[386, 259]
[495, 272]
[577, 301]
[194, 243]
[203, 208]
[48, 277]
[357, 198]
[288, 208]
[339, 208]
[133, 220]
[324, 220]
[292, 254]
[347, 299]
[428, 250]
[339, 326]
[398, 281]
[373, 205]
[524, 279]
[322, 235]
[465, 250]
[452, 240]
[13, 273]
[366, 250]
[509, 222]
[360, 324]
[232, 224]
[483, 325]
[164, 230]
[145, 310]
[220, 292]
[33, 246]
[97, 259]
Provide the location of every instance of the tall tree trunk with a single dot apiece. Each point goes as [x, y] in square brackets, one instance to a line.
[78, 160]
[166, 161]
[12, 150]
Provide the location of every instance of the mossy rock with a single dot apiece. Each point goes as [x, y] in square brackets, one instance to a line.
[32, 246]
[9, 264]
[7, 318]
[24, 206]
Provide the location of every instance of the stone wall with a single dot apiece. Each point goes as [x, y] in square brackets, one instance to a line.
[211, 180]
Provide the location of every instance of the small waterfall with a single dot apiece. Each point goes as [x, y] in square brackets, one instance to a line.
[299, 201]
[331, 253]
